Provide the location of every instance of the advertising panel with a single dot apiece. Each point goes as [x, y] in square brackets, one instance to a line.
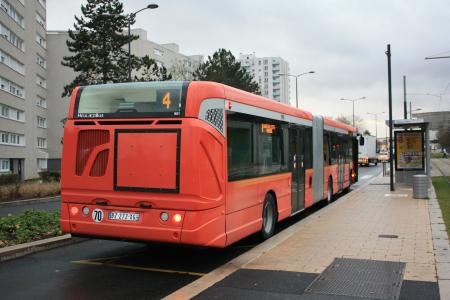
[409, 151]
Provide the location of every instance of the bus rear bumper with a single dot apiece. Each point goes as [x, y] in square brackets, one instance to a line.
[203, 228]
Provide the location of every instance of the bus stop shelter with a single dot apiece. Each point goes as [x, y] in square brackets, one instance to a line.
[412, 149]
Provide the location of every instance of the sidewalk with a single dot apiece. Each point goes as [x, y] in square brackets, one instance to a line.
[366, 225]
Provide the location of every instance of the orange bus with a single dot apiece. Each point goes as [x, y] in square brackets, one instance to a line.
[197, 163]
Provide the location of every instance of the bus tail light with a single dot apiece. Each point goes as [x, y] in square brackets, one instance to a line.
[74, 210]
[177, 218]
[164, 216]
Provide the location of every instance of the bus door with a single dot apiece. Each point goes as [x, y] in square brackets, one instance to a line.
[340, 172]
[341, 161]
[296, 155]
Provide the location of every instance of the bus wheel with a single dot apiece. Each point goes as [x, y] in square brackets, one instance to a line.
[330, 190]
[269, 217]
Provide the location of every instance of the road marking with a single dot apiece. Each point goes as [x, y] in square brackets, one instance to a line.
[366, 176]
[97, 263]
[396, 195]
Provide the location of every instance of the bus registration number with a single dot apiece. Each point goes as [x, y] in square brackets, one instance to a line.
[123, 216]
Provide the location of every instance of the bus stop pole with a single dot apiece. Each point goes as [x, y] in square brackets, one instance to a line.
[391, 144]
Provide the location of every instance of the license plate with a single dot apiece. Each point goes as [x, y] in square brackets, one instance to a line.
[123, 216]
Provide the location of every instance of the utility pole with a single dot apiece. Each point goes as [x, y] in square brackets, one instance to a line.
[405, 111]
[391, 144]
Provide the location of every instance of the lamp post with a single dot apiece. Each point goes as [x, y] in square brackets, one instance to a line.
[296, 83]
[353, 102]
[376, 127]
[130, 17]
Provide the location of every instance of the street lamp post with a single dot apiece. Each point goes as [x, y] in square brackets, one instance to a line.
[353, 101]
[130, 17]
[376, 126]
[296, 83]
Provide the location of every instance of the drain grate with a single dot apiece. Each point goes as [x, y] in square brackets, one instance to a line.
[388, 236]
[360, 278]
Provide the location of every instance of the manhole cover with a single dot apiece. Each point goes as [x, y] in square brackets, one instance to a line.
[360, 278]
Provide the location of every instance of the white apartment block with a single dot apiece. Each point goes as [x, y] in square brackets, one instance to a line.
[167, 55]
[23, 87]
[266, 72]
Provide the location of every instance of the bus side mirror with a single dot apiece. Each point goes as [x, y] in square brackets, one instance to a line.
[361, 141]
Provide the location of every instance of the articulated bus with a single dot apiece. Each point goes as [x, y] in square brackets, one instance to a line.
[197, 163]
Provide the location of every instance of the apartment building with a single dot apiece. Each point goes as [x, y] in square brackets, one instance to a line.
[23, 87]
[167, 55]
[266, 72]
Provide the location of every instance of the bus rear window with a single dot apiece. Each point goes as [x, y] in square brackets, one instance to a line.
[131, 100]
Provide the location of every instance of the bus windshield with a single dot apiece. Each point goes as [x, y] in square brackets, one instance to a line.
[137, 99]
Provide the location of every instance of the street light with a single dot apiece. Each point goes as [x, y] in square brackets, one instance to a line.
[130, 17]
[353, 101]
[296, 83]
[411, 111]
[376, 126]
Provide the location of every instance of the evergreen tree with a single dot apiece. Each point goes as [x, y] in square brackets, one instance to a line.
[97, 43]
[151, 71]
[224, 68]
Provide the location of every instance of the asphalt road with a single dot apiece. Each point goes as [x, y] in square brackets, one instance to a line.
[52, 204]
[101, 269]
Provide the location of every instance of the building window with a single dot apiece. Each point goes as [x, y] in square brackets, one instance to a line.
[266, 68]
[12, 113]
[42, 2]
[42, 164]
[11, 62]
[41, 41]
[12, 88]
[41, 81]
[41, 102]
[41, 61]
[41, 143]
[41, 122]
[12, 139]
[12, 12]
[11, 37]
[4, 165]
[40, 20]
[158, 52]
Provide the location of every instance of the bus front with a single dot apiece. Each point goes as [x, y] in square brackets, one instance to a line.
[136, 167]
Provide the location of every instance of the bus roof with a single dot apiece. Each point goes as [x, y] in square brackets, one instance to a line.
[200, 90]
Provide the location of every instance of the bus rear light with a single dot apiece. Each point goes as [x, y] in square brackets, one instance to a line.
[74, 210]
[85, 210]
[164, 216]
[177, 218]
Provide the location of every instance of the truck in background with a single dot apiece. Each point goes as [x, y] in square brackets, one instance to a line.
[367, 150]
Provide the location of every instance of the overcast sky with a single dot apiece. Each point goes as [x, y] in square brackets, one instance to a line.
[343, 41]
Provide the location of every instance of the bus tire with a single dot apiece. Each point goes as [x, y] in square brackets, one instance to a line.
[330, 190]
[269, 216]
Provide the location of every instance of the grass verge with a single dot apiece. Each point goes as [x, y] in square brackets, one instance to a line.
[442, 188]
[30, 225]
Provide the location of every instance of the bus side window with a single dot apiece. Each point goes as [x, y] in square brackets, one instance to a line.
[361, 141]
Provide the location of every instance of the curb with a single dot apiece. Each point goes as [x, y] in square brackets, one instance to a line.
[30, 201]
[196, 287]
[441, 245]
[16, 251]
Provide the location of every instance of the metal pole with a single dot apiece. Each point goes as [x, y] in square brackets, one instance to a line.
[353, 114]
[296, 92]
[376, 133]
[405, 112]
[129, 49]
[391, 144]
[410, 109]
